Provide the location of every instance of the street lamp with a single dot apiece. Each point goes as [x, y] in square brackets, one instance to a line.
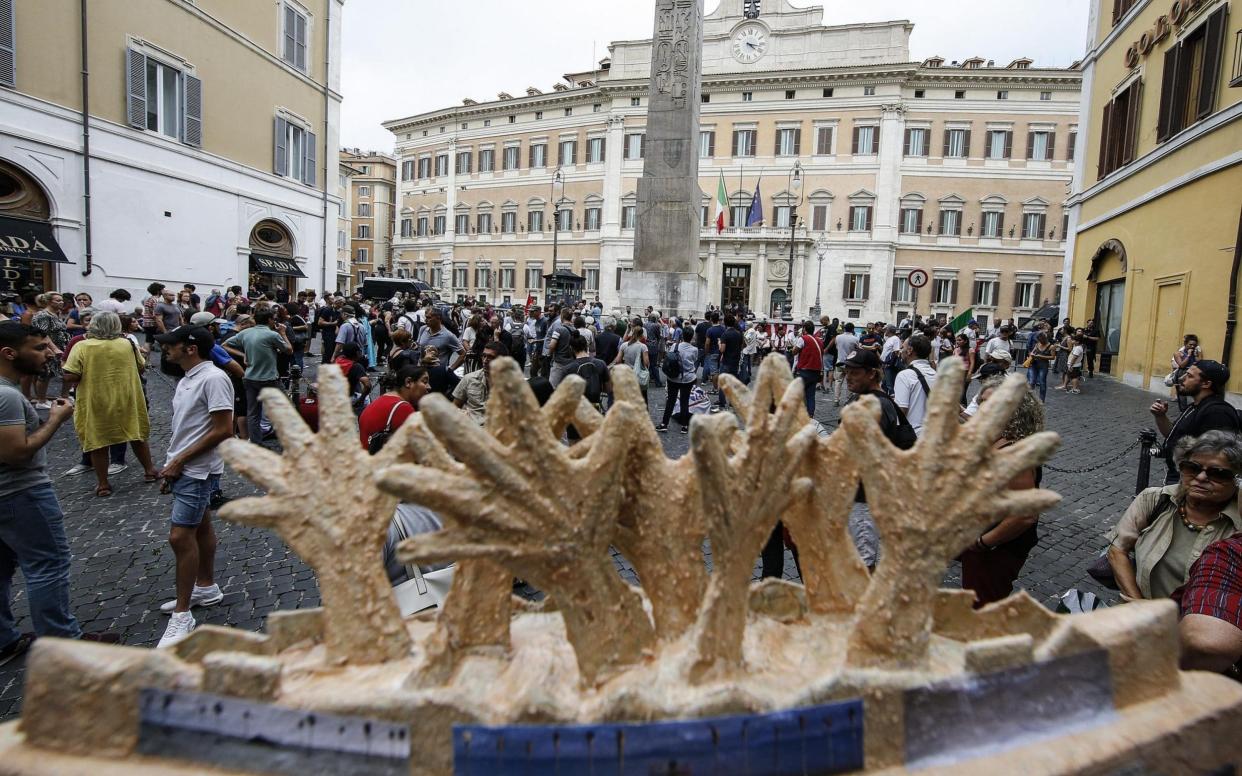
[793, 183]
[821, 247]
[557, 177]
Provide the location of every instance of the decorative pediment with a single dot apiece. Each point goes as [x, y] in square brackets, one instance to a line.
[594, 199]
[951, 200]
[484, 205]
[913, 199]
[820, 195]
[1036, 203]
[862, 194]
[509, 205]
[995, 200]
[536, 202]
[461, 207]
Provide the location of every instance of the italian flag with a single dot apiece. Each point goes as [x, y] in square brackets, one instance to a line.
[722, 204]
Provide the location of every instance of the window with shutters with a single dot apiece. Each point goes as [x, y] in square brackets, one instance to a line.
[819, 218]
[944, 291]
[364, 191]
[1071, 148]
[951, 223]
[903, 292]
[1000, 144]
[781, 215]
[483, 224]
[511, 157]
[857, 286]
[704, 216]
[1119, 129]
[534, 276]
[364, 231]
[1026, 294]
[295, 151]
[634, 146]
[911, 220]
[407, 227]
[739, 215]
[595, 150]
[538, 155]
[163, 99]
[534, 221]
[363, 254]
[439, 225]
[464, 159]
[593, 219]
[629, 216]
[461, 223]
[461, 277]
[986, 293]
[506, 277]
[294, 37]
[508, 222]
[1065, 225]
[565, 218]
[956, 143]
[8, 43]
[788, 141]
[407, 171]
[744, 142]
[860, 218]
[1040, 145]
[483, 277]
[707, 144]
[487, 160]
[1033, 226]
[916, 142]
[993, 224]
[442, 165]
[865, 138]
[364, 209]
[823, 141]
[160, 97]
[1192, 76]
[1121, 7]
[424, 167]
[568, 153]
[423, 226]
[592, 278]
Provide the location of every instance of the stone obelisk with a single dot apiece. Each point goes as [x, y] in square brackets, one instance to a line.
[666, 247]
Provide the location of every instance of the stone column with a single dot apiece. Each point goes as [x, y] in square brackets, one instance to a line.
[612, 245]
[888, 195]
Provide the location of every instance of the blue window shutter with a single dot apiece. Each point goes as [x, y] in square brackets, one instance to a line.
[192, 131]
[281, 166]
[308, 175]
[136, 89]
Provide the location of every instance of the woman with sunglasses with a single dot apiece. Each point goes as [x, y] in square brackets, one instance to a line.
[1166, 529]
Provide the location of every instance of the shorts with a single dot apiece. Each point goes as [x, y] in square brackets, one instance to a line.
[711, 364]
[191, 499]
[1075, 373]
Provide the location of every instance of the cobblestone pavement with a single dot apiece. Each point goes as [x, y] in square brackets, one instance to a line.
[123, 568]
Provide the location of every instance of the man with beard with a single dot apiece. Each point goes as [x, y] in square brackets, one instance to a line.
[32, 529]
[1204, 383]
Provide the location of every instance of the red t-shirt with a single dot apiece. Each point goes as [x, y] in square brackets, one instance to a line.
[375, 417]
[811, 354]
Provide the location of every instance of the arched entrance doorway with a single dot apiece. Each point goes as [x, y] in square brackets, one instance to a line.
[1107, 277]
[28, 248]
[776, 309]
[273, 270]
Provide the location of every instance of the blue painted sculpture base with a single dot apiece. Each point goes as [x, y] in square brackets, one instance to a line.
[822, 739]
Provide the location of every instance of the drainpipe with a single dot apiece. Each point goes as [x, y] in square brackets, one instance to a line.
[86, 144]
[327, 72]
[1231, 317]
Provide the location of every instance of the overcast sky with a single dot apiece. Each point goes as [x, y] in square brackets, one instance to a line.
[403, 57]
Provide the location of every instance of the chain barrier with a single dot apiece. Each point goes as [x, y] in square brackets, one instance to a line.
[1094, 467]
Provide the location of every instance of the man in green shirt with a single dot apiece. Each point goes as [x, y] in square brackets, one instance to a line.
[258, 347]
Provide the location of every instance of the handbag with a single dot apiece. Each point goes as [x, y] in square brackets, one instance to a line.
[1101, 570]
[376, 441]
[1028, 362]
[421, 591]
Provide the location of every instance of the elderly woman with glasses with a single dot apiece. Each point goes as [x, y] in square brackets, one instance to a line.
[1166, 529]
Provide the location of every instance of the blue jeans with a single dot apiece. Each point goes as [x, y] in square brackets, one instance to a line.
[810, 381]
[1037, 377]
[32, 538]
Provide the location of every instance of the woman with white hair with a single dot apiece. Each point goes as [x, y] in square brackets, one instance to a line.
[104, 369]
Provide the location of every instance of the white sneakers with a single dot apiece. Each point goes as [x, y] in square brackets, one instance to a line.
[201, 596]
[116, 468]
[180, 625]
[77, 469]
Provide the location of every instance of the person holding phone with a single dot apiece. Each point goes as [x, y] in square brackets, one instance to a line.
[1205, 384]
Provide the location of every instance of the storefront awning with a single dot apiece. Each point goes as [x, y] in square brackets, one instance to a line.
[275, 265]
[29, 241]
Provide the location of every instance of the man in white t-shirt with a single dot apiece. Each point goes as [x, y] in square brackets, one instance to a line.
[1002, 341]
[846, 342]
[909, 391]
[890, 357]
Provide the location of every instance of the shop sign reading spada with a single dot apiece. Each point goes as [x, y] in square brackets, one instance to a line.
[1178, 15]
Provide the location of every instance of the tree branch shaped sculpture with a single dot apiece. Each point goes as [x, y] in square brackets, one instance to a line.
[743, 496]
[930, 503]
[339, 532]
[531, 506]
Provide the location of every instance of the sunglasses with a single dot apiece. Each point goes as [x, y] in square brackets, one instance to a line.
[1214, 473]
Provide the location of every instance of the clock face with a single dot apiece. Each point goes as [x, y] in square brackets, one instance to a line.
[749, 44]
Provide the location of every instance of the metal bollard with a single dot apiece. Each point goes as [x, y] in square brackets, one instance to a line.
[1147, 451]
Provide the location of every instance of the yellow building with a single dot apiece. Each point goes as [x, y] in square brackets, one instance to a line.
[372, 187]
[172, 140]
[1157, 205]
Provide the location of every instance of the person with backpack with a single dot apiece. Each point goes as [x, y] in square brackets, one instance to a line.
[352, 332]
[558, 347]
[810, 363]
[679, 368]
[912, 386]
[592, 371]
[1205, 384]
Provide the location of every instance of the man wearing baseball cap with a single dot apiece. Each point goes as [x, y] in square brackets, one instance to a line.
[1205, 383]
[202, 418]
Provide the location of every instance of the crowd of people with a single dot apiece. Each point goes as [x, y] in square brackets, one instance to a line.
[224, 349]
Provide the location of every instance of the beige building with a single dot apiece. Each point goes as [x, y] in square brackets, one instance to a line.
[958, 168]
[372, 213]
[344, 226]
[193, 144]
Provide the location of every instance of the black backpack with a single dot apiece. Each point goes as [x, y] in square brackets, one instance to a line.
[899, 432]
[672, 365]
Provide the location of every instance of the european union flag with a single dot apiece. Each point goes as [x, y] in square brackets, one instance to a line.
[756, 209]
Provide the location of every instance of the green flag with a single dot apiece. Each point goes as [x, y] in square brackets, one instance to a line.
[961, 321]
